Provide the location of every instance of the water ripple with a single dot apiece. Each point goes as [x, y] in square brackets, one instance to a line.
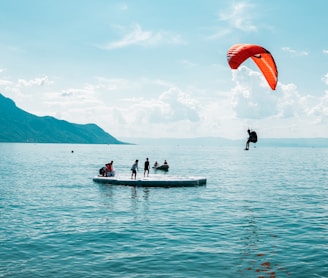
[263, 213]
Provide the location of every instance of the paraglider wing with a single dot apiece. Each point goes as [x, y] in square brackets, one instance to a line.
[238, 53]
[268, 67]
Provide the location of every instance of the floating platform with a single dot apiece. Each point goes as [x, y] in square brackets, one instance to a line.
[153, 181]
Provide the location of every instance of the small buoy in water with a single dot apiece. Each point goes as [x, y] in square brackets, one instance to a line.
[72, 151]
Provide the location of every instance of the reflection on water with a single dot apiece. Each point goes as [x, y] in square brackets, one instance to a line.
[259, 250]
[145, 193]
[134, 194]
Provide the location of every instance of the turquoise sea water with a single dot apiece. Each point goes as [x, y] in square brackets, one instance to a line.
[263, 213]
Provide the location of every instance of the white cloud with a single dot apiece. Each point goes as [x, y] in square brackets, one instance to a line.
[320, 109]
[106, 103]
[138, 36]
[171, 111]
[325, 79]
[4, 82]
[239, 16]
[285, 109]
[219, 34]
[253, 99]
[169, 114]
[171, 106]
[290, 103]
[181, 105]
[38, 81]
[295, 52]
[251, 96]
[112, 84]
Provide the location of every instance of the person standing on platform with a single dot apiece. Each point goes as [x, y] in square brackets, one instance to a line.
[134, 169]
[146, 167]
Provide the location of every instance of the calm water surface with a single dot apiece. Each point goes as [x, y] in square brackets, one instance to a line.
[263, 213]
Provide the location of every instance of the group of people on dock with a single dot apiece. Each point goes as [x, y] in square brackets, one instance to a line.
[134, 168]
[109, 171]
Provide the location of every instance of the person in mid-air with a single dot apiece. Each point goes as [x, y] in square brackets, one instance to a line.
[252, 138]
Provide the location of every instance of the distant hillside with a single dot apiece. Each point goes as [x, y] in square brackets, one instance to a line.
[17, 125]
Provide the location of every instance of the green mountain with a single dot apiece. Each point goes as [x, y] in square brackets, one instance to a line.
[16, 125]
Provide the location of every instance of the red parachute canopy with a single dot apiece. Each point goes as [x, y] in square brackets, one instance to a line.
[238, 53]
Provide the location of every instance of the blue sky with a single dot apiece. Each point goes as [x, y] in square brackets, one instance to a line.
[158, 68]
